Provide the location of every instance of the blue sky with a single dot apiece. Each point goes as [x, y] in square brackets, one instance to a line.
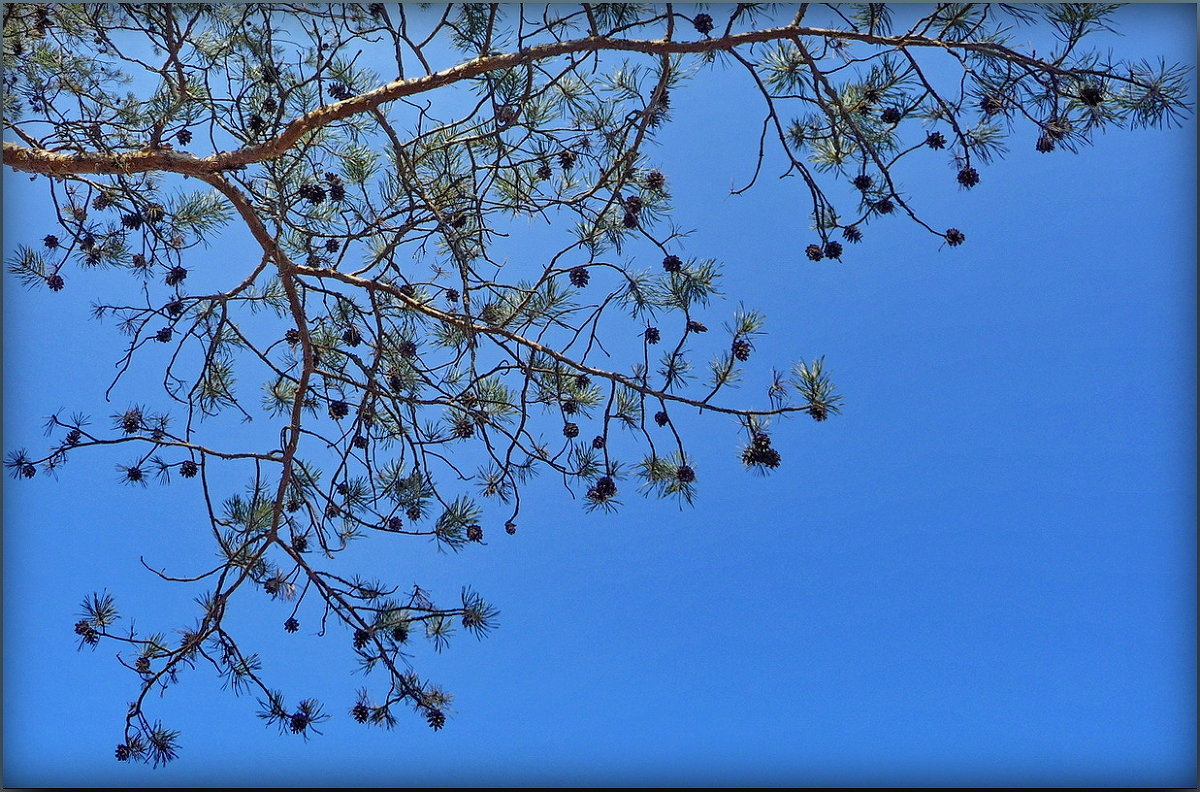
[982, 573]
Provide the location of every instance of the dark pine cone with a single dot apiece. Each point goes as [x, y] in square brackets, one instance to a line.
[408, 349]
[313, 193]
[452, 295]
[413, 513]
[510, 528]
[863, 181]
[544, 172]
[954, 237]
[101, 202]
[630, 220]
[359, 442]
[339, 408]
[703, 24]
[174, 308]
[359, 711]
[436, 719]
[164, 336]
[256, 123]
[633, 204]
[696, 327]
[55, 282]
[1045, 144]
[300, 543]
[175, 276]
[1091, 96]
[885, 206]
[154, 213]
[741, 349]
[819, 412]
[299, 722]
[132, 221]
[188, 468]
[474, 533]
[968, 177]
[351, 337]
[890, 115]
[672, 264]
[184, 136]
[361, 637]
[339, 91]
[852, 234]
[605, 488]
[652, 335]
[685, 474]
[50, 241]
[331, 246]
[337, 192]
[291, 625]
[464, 428]
[655, 180]
[570, 430]
[395, 523]
[123, 753]
[570, 406]
[935, 140]
[661, 418]
[566, 160]
[814, 252]
[579, 277]
[761, 456]
[292, 336]
[833, 250]
[597, 442]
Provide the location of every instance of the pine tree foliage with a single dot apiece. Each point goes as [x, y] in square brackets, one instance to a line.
[423, 367]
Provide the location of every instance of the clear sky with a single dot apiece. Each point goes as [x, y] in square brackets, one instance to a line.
[982, 573]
